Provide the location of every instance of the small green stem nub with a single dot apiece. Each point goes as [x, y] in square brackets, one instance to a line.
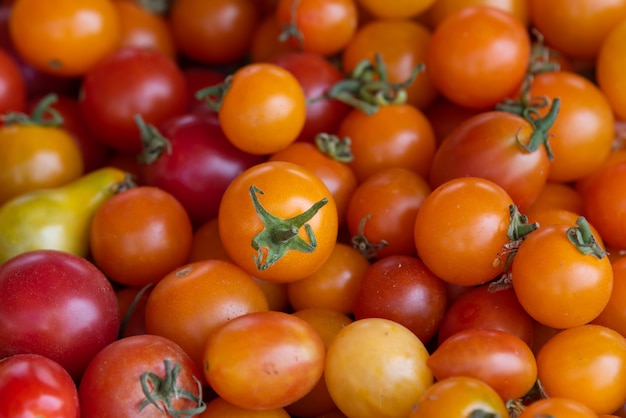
[363, 245]
[291, 30]
[334, 147]
[583, 239]
[280, 235]
[152, 141]
[214, 95]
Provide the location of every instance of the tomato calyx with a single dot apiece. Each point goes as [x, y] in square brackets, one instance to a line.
[360, 242]
[291, 31]
[121, 186]
[213, 96]
[479, 413]
[367, 87]
[280, 235]
[334, 147]
[160, 7]
[43, 114]
[583, 239]
[153, 142]
[160, 391]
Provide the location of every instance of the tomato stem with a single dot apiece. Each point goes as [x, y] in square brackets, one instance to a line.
[280, 235]
[42, 115]
[214, 95]
[291, 30]
[583, 239]
[363, 245]
[334, 147]
[152, 141]
[480, 413]
[160, 7]
[131, 309]
[160, 391]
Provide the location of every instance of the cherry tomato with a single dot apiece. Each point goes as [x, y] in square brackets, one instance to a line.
[608, 64]
[12, 85]
[278, 221]
[461, 228]
[266, 43]
[64, 38]
[587, 364]
[219, 408]
[459, 396]
[264, 360]
[614, 313]
[123, 231]
[206, 243]
[398, 9]
[557, 195]
[121, 86]
[555, 281]
[376, 367]
[478, 56]
[34, 385]
[191, 301]
[557, 407]
[138, 376]
[58, 305]
[479, 353]
[443, 8]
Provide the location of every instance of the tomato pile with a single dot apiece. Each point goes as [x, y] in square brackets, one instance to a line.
[313, 208]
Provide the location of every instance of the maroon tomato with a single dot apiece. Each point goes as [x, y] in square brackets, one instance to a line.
[12, 85]
[129, 82]
[58, 305]
[141, 376]
[194, 161]
[317, 75]
[32, 385]
[402, 289]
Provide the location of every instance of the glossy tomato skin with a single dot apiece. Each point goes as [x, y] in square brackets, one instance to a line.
[402, 289]
[491, 145]
[31, 384]
[45, 297]
[112, 383]
[608, 64]
[614, 314]
[480, 353]
[264, 360]
[198, 165]
[558, 406]
[12, 85]
[316, 74]
[121, 86]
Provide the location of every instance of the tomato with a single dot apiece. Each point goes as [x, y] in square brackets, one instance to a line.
[558, 196]
[138, 376]
[608, 63]
[459, 396]
[317, 75]
[587, 364]
[321, 26]
[394, 136]
[402, 45]
[605, 204]
[397, 9]
[444, 116]
[190, 157]
[65, 38]
[142, 28]
[206, 243]
[389, 194]
[478, 56]
[278, 221]
[263, 108]
[560, 216]
[574, 32]
[58, 305]
[555, 281]
[121, 86]
[12, 85]
[376, 367]
[34, 385]
[557, 407]
[334, 285]
[614, 313]
[499, 146]
[219, 408]
[402, 289]
[35, 157]
[264, 360]
[479, 353]
[582, 135]
[461, 228]
[618, 154]
[266, 43]
[483, 308]
[327, 323]
[213, 32]
[186, 305]
[123, 231]
[444, 8]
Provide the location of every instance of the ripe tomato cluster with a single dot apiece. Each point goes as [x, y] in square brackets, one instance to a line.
[313, 208]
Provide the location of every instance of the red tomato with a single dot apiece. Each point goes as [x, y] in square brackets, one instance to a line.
[58, 305]
[121, 86]
[139, 376]
[12, 85]
[478, 56]
[264, 360]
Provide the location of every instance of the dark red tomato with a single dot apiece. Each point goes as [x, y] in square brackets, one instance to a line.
[482, 308]
[499, 146]
[402, 289]
[12, 85]
[316, 74]
[94, 152]
[198, 78]
[58, 305]
[129, 82]
[199, 165]
[32, 385]
[141, 376]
